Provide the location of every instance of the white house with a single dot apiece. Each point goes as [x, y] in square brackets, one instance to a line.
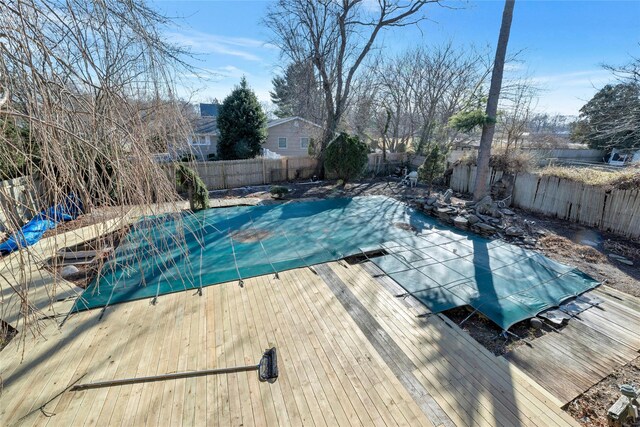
[288, 137]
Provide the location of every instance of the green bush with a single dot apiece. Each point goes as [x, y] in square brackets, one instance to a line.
[346, 157]
[278, 191]
[212, 156]
[187, 158]
[433, 165]
[198, 193]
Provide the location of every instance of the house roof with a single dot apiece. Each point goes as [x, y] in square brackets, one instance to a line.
[208, 125]
[209, 110]
[205, 125]
[277, 122]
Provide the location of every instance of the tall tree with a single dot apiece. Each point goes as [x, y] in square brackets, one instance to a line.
[611, 119]
[297, 92]
[242, 124]
[484, 154]
[336, 36]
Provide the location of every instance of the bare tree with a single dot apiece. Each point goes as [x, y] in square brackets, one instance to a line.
[417, 91]
[93, 84]
[516, 112]
[488, 129]
[336, 36]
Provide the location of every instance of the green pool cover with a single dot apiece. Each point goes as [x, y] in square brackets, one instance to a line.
[442, 267]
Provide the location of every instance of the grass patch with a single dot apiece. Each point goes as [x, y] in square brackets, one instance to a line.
[623, 179]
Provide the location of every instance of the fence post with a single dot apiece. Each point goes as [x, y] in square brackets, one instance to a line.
[224, 176]
[286, 168]
[264, 172]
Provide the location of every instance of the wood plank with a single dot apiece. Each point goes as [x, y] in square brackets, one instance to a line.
[125, 413]
[394, 357]
[481, 363]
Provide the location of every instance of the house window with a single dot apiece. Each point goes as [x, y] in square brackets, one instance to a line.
[200, 140]
[304, 143]
[282, 142]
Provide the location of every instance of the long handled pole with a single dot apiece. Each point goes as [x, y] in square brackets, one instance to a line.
[267, 371]
[164, 377]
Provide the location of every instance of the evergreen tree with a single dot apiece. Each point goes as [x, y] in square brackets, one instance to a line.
[297, 93]
[611, 119]
[242, 124]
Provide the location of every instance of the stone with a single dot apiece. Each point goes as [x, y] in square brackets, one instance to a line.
[536, 323]
[621, 259]
[529, 241]
[473, 219]
[508, 212]
[514, 231]
[69, 270]
[431, 200]
[485, 228]
[460, 222]
[447, 196]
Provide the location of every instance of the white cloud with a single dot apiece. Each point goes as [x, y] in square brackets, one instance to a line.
[241, 47]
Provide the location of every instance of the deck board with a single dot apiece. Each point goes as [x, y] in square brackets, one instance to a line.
[334, 369]
[586, 350]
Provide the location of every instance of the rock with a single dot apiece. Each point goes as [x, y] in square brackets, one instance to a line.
[447, 195]
[529, 241]
[484, 228]
[460, 222]
[431, 200]
[536, 323]
[69, 270]
[621, 259]
[469, 203]
[506, 211]
[514, 231]
[473, 219]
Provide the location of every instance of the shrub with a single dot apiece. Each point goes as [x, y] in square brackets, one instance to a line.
[346, 156]
[511, 161]
[212, 156]
[278, 191]
[433, 165]
[197, 190]
[187, 158]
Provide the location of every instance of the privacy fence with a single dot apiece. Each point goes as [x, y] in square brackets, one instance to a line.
[226, 174]
[613, 210]
[18, 202]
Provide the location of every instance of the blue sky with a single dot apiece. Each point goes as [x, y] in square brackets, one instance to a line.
[562, 43]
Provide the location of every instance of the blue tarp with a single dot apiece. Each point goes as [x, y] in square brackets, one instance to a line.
[32, 231]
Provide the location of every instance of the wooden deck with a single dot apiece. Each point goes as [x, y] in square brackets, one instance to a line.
[587, 350]
[349, 354]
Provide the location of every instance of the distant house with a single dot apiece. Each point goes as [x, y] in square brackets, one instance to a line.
[288, 137]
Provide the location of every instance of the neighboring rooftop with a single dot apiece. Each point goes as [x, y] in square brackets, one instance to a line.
[205, 125]
[209, 110]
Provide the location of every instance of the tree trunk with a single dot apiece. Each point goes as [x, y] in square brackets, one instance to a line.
[484, 154]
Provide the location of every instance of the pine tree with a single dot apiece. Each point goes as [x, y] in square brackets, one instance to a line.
[242, 124]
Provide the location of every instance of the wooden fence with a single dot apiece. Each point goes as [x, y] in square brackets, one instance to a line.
[240, 173]
[18, 202]
[616, 211]
[227, 174]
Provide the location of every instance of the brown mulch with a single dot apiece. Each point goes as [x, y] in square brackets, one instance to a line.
[591, 408]
[565, 247]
